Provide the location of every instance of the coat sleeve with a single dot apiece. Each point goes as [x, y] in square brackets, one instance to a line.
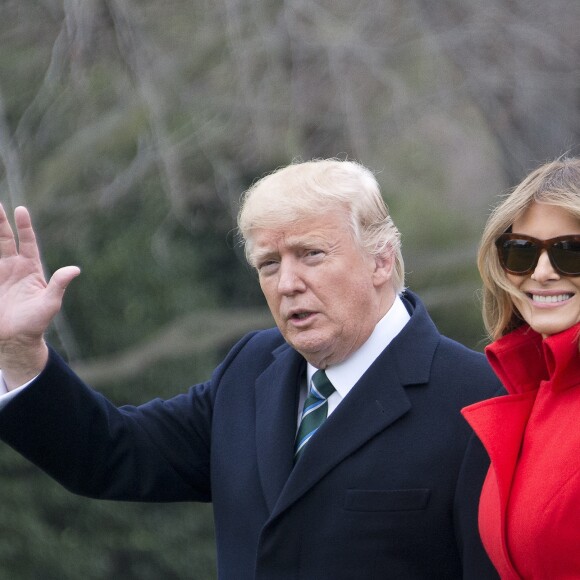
[159, 451]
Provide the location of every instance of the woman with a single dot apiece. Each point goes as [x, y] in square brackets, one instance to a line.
[529, 260]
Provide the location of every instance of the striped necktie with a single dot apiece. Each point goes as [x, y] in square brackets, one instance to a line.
[315, 410]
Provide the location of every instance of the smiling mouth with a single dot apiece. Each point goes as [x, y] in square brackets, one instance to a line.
[550, 299]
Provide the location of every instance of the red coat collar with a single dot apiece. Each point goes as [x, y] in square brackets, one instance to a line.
[522, 359]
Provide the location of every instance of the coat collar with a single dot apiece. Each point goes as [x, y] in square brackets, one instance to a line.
[522, 359]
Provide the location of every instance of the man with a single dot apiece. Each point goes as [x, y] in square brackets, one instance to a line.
[385, 487]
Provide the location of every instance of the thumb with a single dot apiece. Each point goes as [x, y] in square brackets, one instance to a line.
[61, 279]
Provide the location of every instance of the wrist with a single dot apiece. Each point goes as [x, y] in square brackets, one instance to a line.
[21, 363]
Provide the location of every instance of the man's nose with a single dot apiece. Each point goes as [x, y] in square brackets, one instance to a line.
[544, 270]
[290, 279]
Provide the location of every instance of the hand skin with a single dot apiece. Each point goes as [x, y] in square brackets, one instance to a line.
[28, 303]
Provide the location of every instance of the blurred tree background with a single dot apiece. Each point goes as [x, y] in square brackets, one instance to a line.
[130, 129]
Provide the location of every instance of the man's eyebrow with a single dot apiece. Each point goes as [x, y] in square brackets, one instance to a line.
[262, 253]
[294, 243]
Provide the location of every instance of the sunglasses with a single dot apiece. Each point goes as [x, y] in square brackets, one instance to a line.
[519, 254]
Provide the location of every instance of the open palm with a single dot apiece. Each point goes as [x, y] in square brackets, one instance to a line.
[27, 302]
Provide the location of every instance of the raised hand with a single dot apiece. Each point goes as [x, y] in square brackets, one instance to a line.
[27, 302]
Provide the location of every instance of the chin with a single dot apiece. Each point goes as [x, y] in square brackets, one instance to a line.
[551, 328]
[309, 350]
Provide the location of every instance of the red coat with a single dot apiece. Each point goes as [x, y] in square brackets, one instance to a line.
[529, 511]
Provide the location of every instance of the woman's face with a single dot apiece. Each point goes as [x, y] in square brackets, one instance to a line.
[551, 301]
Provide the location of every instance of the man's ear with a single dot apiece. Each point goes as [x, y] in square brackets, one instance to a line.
[384, 267]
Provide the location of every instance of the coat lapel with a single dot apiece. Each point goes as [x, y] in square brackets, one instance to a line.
[375, 402]
[500, 424]
[277, 390]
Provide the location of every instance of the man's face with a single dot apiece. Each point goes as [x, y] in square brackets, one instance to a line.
[325, 293]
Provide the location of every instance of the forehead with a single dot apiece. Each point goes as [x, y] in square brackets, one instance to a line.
[544, 221]
[329, 228]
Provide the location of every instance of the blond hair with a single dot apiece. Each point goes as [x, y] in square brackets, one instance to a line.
[309, 189]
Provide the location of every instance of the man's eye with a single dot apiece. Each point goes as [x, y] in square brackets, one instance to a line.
[267, 267]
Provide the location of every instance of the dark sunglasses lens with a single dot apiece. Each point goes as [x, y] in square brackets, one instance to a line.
[566, 255]
[518, 256]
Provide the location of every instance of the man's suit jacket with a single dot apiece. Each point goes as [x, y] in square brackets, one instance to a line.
[388, 487]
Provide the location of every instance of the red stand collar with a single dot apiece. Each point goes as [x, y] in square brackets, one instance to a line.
[522, 359]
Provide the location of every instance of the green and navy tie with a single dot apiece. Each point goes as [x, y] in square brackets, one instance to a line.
[315, 410]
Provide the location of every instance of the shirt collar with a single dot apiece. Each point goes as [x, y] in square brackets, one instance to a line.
[347, 373]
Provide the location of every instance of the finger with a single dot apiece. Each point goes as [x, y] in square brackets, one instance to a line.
[7, 241]
[27, 245]
[60, 280]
